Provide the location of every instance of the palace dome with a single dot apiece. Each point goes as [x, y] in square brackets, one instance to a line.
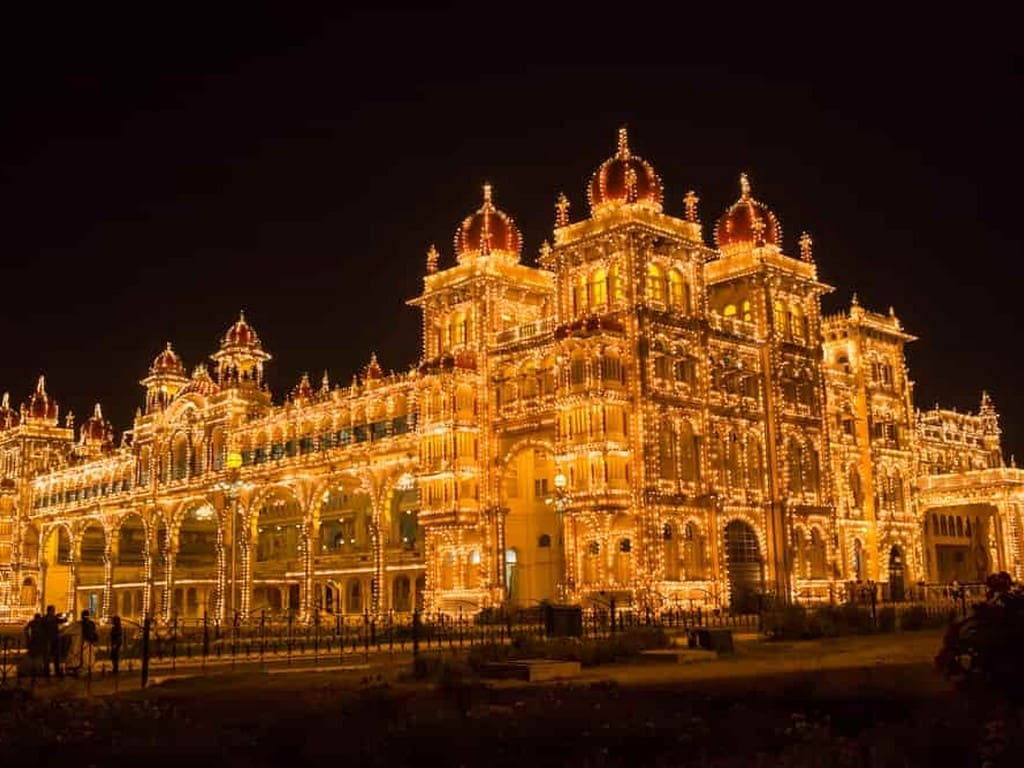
[624, 178]
[748, 223]
[200, 383]
[41, 405]
[241, 334]
[488, 231]
[97, 429]
[167, 362]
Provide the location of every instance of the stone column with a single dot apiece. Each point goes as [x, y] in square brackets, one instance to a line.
[245, 567]
[73, 584]
[309, 549]
[170, 555]
[109, 563]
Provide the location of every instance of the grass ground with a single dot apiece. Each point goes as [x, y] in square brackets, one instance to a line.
[858, 701]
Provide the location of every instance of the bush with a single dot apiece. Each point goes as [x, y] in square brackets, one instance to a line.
[982, 652]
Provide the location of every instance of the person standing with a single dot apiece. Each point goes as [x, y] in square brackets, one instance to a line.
[116, 640]
[51, 633]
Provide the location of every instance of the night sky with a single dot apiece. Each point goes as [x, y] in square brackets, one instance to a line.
[162, 169]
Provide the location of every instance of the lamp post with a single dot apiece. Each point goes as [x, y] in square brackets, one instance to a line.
[231, 489]
[561, 482]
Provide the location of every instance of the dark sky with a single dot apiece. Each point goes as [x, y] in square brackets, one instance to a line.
[163, 168]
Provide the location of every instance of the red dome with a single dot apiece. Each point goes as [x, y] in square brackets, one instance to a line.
[241, 334]
[488, 231]
[167, 362]
[748, 223]
[200, 383]
[40, 406]
[303, 390]
[96, 429]
[624, 178]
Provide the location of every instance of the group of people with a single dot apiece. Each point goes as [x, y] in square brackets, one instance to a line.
[66, 648]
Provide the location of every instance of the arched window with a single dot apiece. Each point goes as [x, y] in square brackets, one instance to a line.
[677, 298]
[655, 284]
[179, 457]
[511, 573]
[623, 562]
[355, 596]
[779, 317]
[615, 285]
[693, 547]
[795, 465]
[578, 370]
[671, 552]
[817, 555]
[598, 290]
[689, 454]
[667, 460]
[797, 328]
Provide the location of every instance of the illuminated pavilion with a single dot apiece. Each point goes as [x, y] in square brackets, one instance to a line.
[643, 415]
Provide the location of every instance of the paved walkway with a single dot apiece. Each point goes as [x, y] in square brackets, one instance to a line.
[755, 660]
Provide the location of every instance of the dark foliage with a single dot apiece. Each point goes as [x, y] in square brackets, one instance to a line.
[983, 652]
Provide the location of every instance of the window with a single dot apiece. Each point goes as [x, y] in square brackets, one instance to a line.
[655, 284]
[544, 541]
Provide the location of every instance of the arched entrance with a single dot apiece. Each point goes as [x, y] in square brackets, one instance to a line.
[91, 569]
[744, 566]
[130, 569]
[56, 567]
[533, 560]
[196, 565]
[279, 532]
[897, 587]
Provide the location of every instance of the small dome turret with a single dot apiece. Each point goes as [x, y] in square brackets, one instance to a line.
[747, 224]
[488, 232]
[624, 179]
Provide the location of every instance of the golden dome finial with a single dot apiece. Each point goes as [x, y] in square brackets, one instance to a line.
[744, 187]
[805, 247]
[487, 194]
[623, 144]
[432, 259]
[690, 201]
[562, 210]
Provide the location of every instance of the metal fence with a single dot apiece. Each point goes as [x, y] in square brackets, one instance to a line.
[201, 646]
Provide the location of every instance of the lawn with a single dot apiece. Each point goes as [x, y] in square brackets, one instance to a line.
[855, 702]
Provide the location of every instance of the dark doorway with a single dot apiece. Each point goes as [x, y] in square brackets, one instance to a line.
[744, 566]
[897, 585]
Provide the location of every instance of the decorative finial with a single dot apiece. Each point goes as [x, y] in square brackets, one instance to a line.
[892, 311]
[325, 383]
[854, 302]
[41, 385]
[432, 257]
[69, 420]
[1013, 461]
[562, 211]
[623, 144]
[6, 401]
[744, 187]
[97, 412]
[690, 201]
[169, 347]
[487, 194]
[545, 253]
[805, 247]
[241, 315]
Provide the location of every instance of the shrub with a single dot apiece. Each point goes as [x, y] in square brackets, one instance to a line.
[982, 651]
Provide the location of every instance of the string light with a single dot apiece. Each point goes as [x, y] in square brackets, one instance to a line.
[566, 427]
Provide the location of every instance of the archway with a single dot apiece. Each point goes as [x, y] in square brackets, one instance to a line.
[897, 588]
[130, 568]
[532, 528]
[91, 568]
[276, 551]
[56, 567]
[195, 567]
[744, 566]
[345, 518]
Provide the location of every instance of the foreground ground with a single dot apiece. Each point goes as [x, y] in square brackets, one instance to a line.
[871, 701]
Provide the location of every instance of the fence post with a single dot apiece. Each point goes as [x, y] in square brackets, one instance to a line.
[145, 650]
[416, 633]
[206, 638]
[263, 633]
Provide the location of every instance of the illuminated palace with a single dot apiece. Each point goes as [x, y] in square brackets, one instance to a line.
[641, 415]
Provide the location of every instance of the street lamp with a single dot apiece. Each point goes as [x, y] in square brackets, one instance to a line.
[231, 489]
[561, 483]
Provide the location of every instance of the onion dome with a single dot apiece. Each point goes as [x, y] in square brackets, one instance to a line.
[488, 232]
[40, 405]
[200, 383]
[96, 429]
[624, 179]
[303, 390]
[747, 224]
[167, 362]
[9, 417]
[241, 335]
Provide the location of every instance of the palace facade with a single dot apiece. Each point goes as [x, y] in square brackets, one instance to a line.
[643, 415]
